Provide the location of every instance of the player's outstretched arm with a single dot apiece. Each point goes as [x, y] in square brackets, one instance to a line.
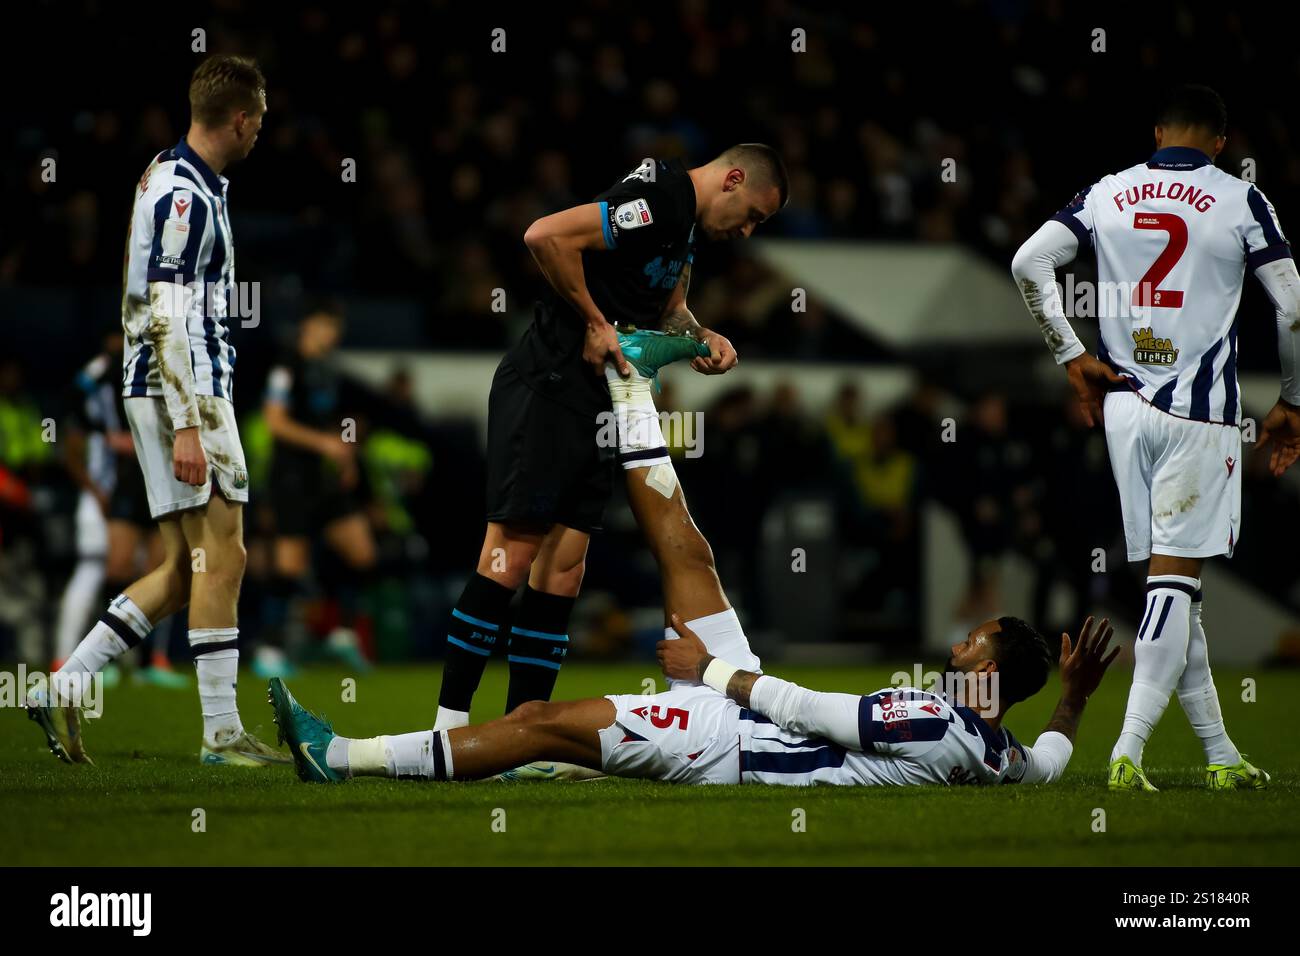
[789, 706]
[557, 243]
[1083, 664]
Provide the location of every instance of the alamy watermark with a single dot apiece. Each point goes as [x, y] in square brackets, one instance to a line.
[973, 689]
[683, 430]
[82, 690]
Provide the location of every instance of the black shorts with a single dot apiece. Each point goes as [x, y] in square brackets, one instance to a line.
[129, 501]
[544, 466]
[306, 499]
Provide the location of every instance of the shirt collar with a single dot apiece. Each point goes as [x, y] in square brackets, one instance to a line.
[216, 183]
[1178, 157]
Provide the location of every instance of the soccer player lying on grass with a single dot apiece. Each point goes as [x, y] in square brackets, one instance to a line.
[737, 726]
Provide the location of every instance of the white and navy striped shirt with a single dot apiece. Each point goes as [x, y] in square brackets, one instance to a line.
[905, 736]
[180, 231]
[1174, 237]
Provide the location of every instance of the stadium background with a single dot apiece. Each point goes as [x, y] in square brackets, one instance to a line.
[828, 436]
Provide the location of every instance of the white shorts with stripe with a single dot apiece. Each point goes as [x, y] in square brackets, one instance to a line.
[1179, 480]
[684, 735]
[151, 430]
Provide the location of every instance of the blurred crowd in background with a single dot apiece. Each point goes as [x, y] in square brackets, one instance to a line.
[458, 148]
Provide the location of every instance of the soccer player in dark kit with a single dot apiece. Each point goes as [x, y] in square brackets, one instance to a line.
[620, 261]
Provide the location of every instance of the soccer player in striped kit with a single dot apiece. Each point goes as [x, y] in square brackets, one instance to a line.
[177, 381]
[722, 721]
[1174, 237]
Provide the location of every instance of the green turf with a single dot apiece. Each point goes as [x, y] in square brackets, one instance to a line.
[136, 805]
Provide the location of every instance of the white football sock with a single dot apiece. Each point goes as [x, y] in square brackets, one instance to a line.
[422, 755]
[216, 660]
[1160, 655]
[724, 639]
[1200, 699]
[121, 628]
[640, 438]
[449, 719]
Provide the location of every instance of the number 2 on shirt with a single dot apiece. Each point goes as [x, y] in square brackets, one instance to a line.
[1148, 294]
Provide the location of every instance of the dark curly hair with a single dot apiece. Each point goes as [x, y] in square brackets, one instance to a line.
[1024, 659]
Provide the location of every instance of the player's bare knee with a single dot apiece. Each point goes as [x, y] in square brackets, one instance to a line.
[509, 563]
[531, 712]
[223, 564]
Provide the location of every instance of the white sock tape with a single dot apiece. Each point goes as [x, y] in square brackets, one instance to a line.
[368, 757]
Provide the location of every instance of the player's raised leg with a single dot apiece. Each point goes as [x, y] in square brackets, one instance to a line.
[691, 586]
[568, 732]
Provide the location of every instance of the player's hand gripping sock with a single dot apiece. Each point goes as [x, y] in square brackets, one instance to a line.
[476, 628]
[723, 638]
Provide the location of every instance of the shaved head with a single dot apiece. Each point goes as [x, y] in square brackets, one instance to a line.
[762, 166]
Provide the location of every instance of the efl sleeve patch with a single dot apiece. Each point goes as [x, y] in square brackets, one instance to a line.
[633, 215]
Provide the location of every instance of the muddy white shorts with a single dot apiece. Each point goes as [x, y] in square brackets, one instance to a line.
[151, 430]
[686, 735]
[1179, 480]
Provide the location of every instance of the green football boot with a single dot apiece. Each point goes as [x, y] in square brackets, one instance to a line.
[1126, 775]
[307, 735]
[1242, 776]
[648, 352]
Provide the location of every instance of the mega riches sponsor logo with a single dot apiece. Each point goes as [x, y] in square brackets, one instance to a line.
[122, 910]
[1150, 350]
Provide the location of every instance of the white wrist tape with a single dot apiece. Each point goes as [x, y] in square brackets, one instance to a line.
[718, 675]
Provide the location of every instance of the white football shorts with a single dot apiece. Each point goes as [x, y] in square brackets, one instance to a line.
[685, 735]
[151, 430]
[1179, 480]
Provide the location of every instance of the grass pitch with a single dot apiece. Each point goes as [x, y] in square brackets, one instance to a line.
[137, 805]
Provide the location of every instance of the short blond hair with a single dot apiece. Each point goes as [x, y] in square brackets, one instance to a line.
[225, 84]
